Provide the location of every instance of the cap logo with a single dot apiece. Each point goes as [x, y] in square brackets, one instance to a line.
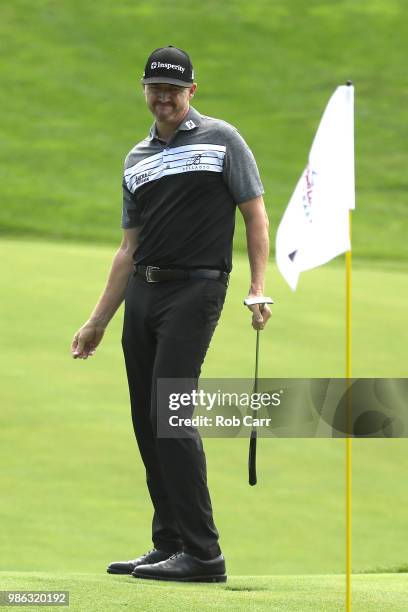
[154, 65]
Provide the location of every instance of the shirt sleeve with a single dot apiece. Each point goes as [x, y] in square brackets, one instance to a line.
[130, 210]
[240, 170]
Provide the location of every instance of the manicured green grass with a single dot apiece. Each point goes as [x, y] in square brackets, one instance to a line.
[73, 488]
[72, 104]
[73, 492]
[95, 592]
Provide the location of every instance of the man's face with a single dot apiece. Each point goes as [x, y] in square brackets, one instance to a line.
[168, 103]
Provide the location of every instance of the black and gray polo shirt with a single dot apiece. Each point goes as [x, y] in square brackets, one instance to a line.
[183, 194]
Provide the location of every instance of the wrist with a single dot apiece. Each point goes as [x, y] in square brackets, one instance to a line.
[256, 290]
[98, 321]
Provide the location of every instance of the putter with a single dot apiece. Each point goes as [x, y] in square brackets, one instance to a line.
[252, 442]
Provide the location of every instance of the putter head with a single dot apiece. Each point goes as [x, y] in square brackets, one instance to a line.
[261, 299]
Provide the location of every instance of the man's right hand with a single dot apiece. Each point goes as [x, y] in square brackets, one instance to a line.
[89, 335]
[86, 340]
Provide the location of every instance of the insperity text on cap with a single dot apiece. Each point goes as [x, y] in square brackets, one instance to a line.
[169, 65]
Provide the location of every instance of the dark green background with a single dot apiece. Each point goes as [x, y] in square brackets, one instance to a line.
[72, 105]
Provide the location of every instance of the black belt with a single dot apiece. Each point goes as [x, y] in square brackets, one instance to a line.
[153, 274]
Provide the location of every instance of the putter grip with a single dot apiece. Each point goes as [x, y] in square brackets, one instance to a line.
[252, 459]
[261, 299]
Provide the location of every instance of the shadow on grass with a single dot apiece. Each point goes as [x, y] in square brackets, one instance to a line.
[245, 588]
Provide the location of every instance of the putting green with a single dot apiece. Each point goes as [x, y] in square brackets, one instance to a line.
[96, 592]
[73, 488]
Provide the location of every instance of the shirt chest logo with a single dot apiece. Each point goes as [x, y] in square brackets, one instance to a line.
[177, 160]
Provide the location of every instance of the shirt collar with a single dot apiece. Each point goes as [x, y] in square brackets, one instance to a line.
[190, 122]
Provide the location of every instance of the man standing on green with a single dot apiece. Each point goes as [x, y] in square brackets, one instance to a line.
[181, 187]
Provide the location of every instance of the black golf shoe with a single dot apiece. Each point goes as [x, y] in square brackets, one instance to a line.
[127, 567]
[182, 567]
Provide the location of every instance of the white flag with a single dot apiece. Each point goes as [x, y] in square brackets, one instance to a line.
[315, 225]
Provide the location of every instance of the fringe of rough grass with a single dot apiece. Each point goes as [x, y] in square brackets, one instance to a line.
[393, 569]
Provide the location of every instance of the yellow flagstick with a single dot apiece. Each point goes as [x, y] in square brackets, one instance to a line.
[349, 427]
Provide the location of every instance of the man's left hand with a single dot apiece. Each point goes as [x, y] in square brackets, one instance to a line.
[261, 313]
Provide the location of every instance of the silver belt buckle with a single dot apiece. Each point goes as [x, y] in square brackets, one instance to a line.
[149, 274]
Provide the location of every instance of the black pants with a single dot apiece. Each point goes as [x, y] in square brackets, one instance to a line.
[167, 330]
